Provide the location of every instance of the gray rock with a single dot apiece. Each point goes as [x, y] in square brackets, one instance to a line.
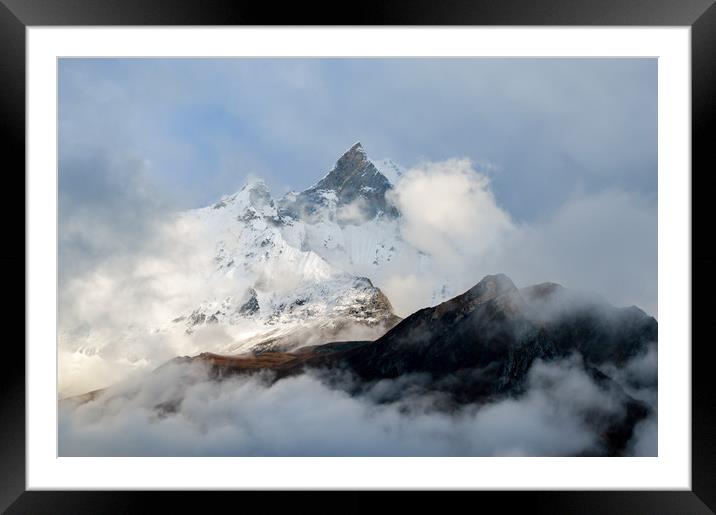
[354, 179]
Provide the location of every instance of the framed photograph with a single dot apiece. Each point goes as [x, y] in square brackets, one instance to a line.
[429, 248]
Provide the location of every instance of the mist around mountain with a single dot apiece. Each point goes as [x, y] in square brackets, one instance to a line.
[298, 265]
[495, 371]
[253, 272]
[286, 339]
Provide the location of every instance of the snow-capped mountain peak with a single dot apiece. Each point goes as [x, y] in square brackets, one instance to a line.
[301, 270]
[293, 272]
[258, 273]
[253, 197]
[354, 185]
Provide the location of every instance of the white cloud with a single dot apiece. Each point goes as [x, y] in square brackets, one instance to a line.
[407, 290]
[304, 416]
[115, 316]
[352, 213]
[449, 211]
[604, 243]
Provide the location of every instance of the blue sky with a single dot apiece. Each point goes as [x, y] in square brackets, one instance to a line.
[543, 129]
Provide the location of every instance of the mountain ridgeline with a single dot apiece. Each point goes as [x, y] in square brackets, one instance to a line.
[355, 179]
[295, 271]
[480, 346]
[499, 329]
[290, 287]
[496, 332]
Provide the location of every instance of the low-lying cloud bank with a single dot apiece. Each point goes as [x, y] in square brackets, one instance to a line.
[178, 411]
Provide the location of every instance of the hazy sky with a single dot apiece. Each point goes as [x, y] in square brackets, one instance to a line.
[542, 169]
[568, 148]
[543, 129]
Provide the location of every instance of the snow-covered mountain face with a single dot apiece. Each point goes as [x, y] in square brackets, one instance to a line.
[346, 217]
[254, 272]
[296, 271]
[353, 191]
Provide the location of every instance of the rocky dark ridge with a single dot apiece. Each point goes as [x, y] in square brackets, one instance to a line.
[354, 179]
[480, 346]
[501, 330]
[494, 332]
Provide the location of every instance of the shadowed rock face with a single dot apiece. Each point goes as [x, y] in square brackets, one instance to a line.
[500, 330]
[480, 346]
[353, 179]
[490, 336]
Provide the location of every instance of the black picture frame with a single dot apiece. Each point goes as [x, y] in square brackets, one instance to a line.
[16, 15]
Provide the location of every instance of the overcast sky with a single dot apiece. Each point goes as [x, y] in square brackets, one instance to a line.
[543, 169]
[543, 129]
[564, 150]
